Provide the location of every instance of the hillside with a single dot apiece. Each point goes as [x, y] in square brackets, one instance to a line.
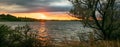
[9, 17]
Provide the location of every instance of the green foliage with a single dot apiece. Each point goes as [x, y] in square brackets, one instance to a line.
[4, 33]
[18, 37]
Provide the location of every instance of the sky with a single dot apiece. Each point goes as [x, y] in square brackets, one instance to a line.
[14, 6]
[49, 8]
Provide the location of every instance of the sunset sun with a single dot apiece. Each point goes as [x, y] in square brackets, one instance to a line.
[42, 16]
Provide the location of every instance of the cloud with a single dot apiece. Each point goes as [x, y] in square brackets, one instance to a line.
[34, 5]
[11, 8]
[62, 3]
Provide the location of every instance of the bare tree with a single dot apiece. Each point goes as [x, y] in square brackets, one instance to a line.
[102, 15]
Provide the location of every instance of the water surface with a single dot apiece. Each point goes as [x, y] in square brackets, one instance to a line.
[55, 29]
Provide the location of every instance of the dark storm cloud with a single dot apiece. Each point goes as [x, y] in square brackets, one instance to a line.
[34, 5]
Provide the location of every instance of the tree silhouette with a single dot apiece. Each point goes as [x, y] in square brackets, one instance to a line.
[102, 15]
[8, 17]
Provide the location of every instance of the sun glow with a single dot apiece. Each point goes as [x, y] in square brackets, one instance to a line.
[46, 16]
[42, 16]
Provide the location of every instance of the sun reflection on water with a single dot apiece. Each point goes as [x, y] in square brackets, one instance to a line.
[43, 34]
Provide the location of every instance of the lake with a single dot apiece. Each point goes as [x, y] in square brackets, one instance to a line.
[55, 29]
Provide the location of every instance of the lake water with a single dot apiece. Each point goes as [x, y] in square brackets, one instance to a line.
[55, 29]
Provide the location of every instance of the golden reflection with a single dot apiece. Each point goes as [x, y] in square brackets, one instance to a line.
[43, 34]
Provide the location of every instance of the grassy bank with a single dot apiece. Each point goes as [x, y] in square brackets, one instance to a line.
[100, 43]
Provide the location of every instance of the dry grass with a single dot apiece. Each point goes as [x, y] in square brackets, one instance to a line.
[89, 44]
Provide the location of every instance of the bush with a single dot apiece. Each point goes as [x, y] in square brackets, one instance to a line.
[18, 37]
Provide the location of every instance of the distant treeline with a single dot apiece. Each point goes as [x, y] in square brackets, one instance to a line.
[8, 17]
